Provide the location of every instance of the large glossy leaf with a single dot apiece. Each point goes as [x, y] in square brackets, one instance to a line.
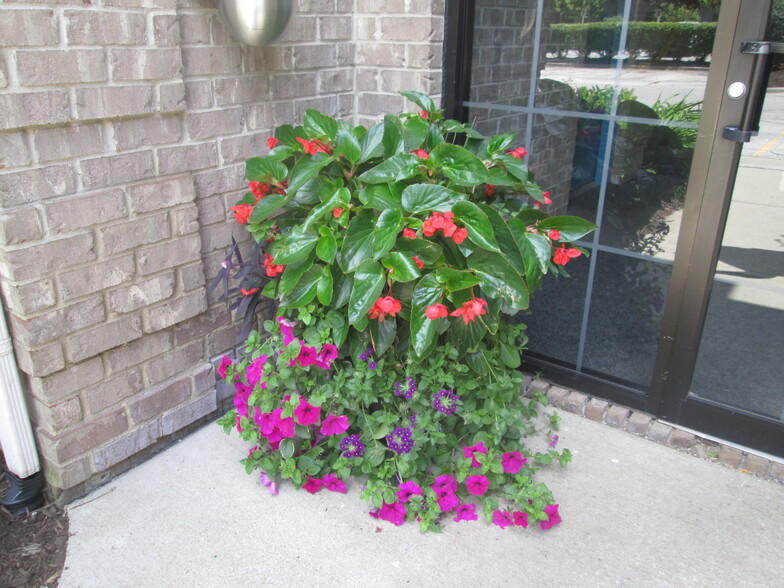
[293, 272]
[465, 337]
[456, 279]
[514, 166]
[380, 197]
[499, 278]
[292, 248]
[318, 124]
[398, 167]
[388, 225]
[368, 283]
[393, 136]
[531, 244]
[324, 289]
[453, 126]
[371, 142]
[383, 333]
[459, 164]
[327, 247]
[261, 169]
[306, 169]
[419, 198]
[348, 146]
[478, 362]
[499, 143]
[358, 241]
[424, 101]
[571, 227]
[480, 231]
[414, 133]
[287, 134]
[336, 200]
[267, 206]
[425, 250]
[342, 285]
[404, 269]
[305, 290]
[505, 239]
[423, 330]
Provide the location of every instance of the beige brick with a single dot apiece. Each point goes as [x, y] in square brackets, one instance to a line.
[76, 212]
[42, 361]
[291, 86]
[199, 61]
[26, 28]
[203, 379]
[89, 343]
[730, 456]
[23, 187]
[145, 64]
[78, 140]
[195, 29]
[172, 97]
[757, 465]
[191, 277]
[166, 30]
[240, 90]
[30, 298]
[185, 220]
[137, 352]
[201, 325]
[616, 416]
[94, 27]
[46, 68]
[575, 402]
[314, 56]
[124, 447]
[130, 235]
[117, 170]
[410, 29]
[175, 311]
[301, 29]
[58, 386]
[223, 339]
[659, 432]
[31, 262]
[334, 28]
[79, 440]
[340, 80]
[147, 131]
[110, 392]
[595, 408]
[220, 181]
[84, 314]
[198, 94]
[188, 413]
[160, 194]
[159, 399]
[556, 395]
[20, 225]
[13, 148]
[37, 330]
[135, 296]
[681, 439]
[96, 277]
[69, 475]
[638, 423]
[206, 125]
[114, 101]
[241, 148]
[175, 160]
[34, 108]
[175, 362]
[213, 210]
[57, 417]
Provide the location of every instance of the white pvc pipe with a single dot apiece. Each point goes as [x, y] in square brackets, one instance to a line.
[16, 434]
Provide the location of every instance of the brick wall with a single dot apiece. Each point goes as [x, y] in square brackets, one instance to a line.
[125, 128]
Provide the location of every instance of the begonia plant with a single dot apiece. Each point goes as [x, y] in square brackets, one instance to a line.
[399, 263]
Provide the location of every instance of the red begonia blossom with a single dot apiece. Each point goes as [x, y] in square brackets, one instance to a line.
[386, 306]
[563, 254]
[435, 311]
[273, 269]
[242, 212]
[470, 310]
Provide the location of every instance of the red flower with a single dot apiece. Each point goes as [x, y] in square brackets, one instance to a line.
[547, 200]
[272, 142]
[439, 222]
[435, 311]
[419, 262]
[250, 292]
[259, 189]
[460, 235]
[563, 254]
[386, 306]
[470, 310]
[519, 153]
[423, 114]
[421, 154]
[337, 212]
[489, 190]
[313, 147]
[554, 234]
[242, 212]
[272, 268]
[408, 233]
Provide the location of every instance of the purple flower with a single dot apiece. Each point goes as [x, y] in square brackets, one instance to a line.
[255, 370]
[445, 402]
[400, 440]
[363, 356]
[370, 351]
[351, 446]
[554, 441]
[466, 512]
[553, 518]
[408, 489]
[408, 391]
[512, 461]
[502, 519]
[372, 365]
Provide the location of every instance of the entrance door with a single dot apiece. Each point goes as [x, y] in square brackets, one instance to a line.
[623, 114]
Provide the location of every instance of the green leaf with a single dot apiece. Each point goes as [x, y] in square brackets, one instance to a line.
[480, 231]
[537, 247]
[424, 101]
[503, 235]
[514, 166]
[380, 197]
[337, 200]
[286, 448]
[388, 225]
[419, 198]
[304, 291]
[404, 269]
[499, 143]
[571, 227]
[358, 241]
[348, 146]
[477, 361]
[320, 125]
[425, 250]
[267, 206]
[509, 356]
[459, 164]
[327, 247]
[393, 136]
[343, 284]
[371, 142]
[456, 280]
[293, 272]
[261, 169]
[306, 169]
[499, 278]
[368, 283]
[324, 286]
[423, 330]
[453, 126]
[466, 337]
[414, 133]
[383, 333]
[292, 247]
[398, 167]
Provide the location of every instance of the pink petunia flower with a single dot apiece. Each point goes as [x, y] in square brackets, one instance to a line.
[307, 414]
[477, 485]
[408, 489]
[445, 482]
[447, 500]
[334, 425]
[313, 485]
[520, 518]
[395, 513]
[332, 483]
[255, 370]
[512, 461]
[470, 451]
[553, 518]
[286, 329]
[224, 366]
[502, 519]
[466, 512]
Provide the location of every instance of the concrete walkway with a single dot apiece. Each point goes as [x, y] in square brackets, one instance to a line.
[635, 514]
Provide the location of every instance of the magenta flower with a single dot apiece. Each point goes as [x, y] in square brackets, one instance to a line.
[334, 425]
[470, 451]
[306, 413]
[224, 366]
[502, 519]
[326, 355]
[553, 518]
[313, 485]
[255, 370]
[554, 441]
[466, 512]
[239, 425]
[286, 329]
[307, 356]
[445, 482]
[513, 461]
[520, 518]
[332, 483]
[395, 513]
[241, 395]
[408, 489]
[447, 500]
[477, 485]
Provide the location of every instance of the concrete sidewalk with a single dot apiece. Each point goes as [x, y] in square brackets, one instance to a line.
[635, 514]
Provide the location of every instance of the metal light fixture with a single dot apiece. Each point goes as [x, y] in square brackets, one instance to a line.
[255, 22]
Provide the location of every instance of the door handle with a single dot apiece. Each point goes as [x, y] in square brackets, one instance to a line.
[760, 71]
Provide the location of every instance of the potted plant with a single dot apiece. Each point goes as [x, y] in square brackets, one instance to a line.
[397, 261]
